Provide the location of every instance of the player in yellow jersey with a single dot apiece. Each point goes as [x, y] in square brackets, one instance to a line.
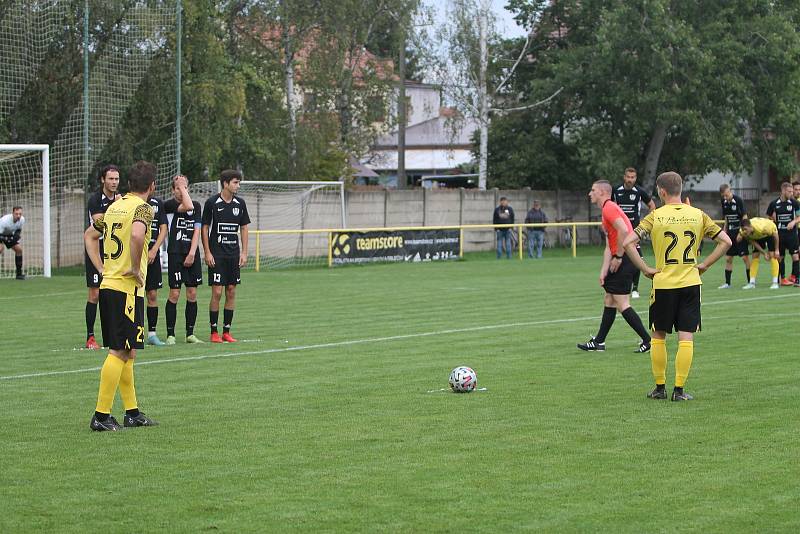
[763, 234]
[125, 228]
[676, 230]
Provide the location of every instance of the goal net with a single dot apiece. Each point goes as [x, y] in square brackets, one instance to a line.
[277, 211]
[25, 182]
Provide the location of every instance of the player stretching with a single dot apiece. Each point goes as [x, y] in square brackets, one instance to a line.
[783, 211]
[125, 228]
[183, 260]
[616, 273]
[629, 197]
[99, 201]
[734, 212]
[223, 216]
[676, 231]
[10, 234]
[158, 232]
[763, 235]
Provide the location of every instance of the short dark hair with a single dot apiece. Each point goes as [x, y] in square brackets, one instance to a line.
[630, 169]
[671, 182]
[105, 170]
[229, 174]
[785, 184]
[141, 175]
[724, 187]
[15, 208]
[503, 198]
[796, 182]
[745, 223]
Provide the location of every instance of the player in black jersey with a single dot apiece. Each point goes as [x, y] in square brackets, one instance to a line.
[734, 212]
[158, 233]
[98, 203]
[629, 196]
[183, 265]
[224, 216]
[783, 211]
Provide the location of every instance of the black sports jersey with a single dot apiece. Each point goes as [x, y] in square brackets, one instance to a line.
[159, 218]
[224, 220]
[783, 210]
[733, 211]
[98, 203]
[182, 229]
[629, 199]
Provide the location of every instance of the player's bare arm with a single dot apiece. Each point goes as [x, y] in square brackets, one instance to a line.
[163, 231]
[182, 185]
[91, 239]
[206, 249]
[723, 244]
[651, 205]
[243, 253]
[629, 244]
[138, 232]
[189, 260]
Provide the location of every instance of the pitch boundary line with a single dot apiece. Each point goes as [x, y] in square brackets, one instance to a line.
[350, 342]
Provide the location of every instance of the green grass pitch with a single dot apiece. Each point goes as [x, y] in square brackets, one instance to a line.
[322, 419]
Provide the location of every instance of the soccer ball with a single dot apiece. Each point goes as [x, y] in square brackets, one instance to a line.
[463, 380]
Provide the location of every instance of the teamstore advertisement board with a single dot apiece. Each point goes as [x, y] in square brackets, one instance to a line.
[394, 245]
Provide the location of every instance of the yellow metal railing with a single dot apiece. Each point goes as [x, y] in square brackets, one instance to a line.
[330, 231]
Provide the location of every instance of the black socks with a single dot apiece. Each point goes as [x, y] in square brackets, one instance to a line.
[609, 314]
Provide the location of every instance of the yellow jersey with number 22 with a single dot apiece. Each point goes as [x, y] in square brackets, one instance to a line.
[676, 231]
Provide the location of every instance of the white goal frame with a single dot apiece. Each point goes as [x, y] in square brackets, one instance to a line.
[44, 150]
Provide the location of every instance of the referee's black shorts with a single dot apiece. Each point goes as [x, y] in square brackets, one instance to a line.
[742, 248]
[619, 282]
[675, 308]
[122, 319]
[787, 241]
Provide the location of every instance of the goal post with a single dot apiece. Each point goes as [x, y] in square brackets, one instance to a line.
[286, 205]
[25, 182]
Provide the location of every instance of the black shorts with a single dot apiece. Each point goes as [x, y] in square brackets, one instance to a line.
[178, 274]
[767, 243]
[742, 248]
[153, 280]
[225, 273]
[619, 283]
[93, 278]
[10, 241]
[122, 319]
[675, 308]
[787, 242]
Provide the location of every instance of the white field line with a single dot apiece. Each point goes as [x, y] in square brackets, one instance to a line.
[17, 297]
[371, 340]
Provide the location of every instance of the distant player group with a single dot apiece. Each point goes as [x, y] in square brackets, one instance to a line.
[123, 266]
[677, 230]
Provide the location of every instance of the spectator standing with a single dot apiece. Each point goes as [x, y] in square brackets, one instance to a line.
[535, 235]
[503, 214]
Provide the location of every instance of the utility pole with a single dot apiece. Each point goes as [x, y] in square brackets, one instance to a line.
[401, 115]
[483, 95]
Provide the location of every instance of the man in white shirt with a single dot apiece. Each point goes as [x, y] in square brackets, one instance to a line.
[10, 234]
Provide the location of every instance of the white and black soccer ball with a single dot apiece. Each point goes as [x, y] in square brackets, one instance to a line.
[463, 380]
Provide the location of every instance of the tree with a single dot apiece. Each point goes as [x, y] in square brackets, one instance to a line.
[660, 84]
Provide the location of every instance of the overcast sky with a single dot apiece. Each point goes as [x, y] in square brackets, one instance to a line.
[505, 22]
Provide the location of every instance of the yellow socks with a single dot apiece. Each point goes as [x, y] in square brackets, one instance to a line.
[683, 362]
[109, 380]
[126, 389]
[658, 359]
[754, 270]
[775, 268]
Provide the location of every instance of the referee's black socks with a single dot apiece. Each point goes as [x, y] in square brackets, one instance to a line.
[636, 323]
[609, 314]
